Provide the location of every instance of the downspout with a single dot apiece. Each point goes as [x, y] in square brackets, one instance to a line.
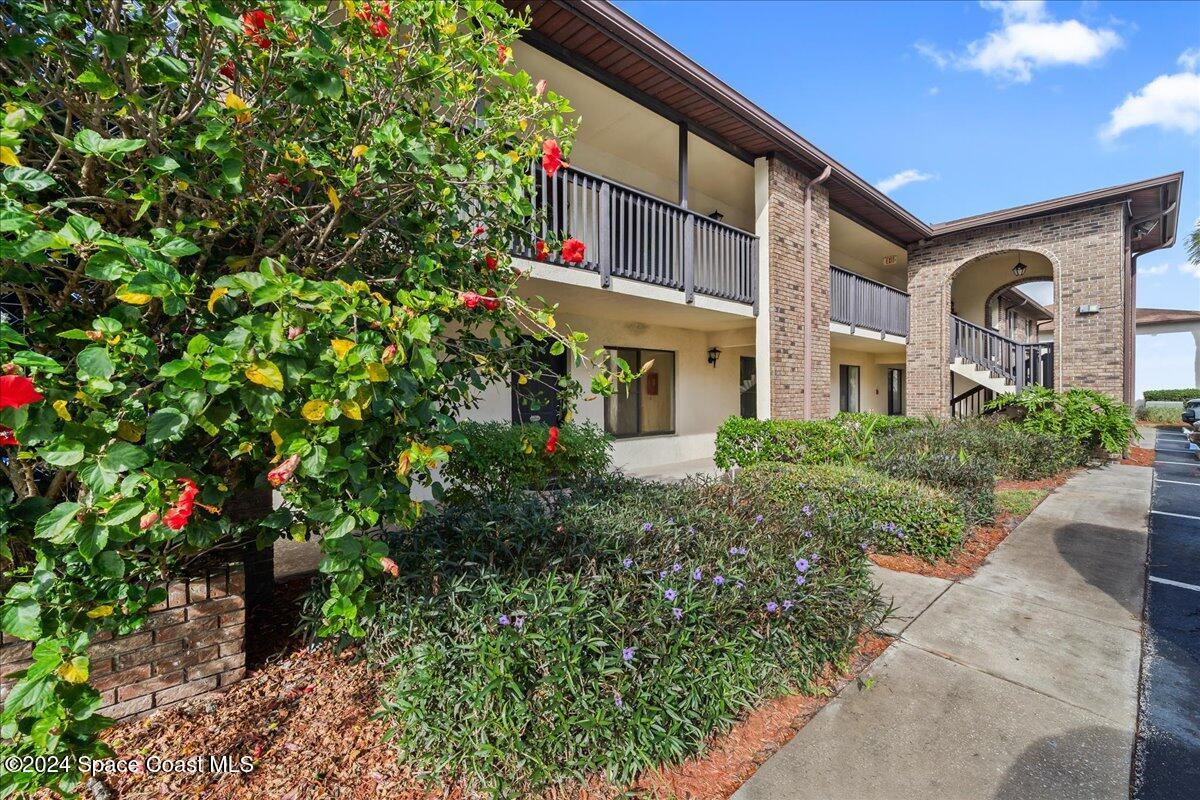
[1131, 293]
[808, 328]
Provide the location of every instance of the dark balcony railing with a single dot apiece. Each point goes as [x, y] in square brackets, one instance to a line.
[1021, 363]
[863, 303]
[630, 234]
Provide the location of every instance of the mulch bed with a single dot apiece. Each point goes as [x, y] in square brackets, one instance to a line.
[977, 545]
[1139, 457]
[305, 716]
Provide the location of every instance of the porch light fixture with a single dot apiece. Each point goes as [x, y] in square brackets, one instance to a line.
[713, 354]
[1019, 268]
[717, 215]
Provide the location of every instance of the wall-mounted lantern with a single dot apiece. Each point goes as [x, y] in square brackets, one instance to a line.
[713, 354]
[1019, 268]
[717, 215]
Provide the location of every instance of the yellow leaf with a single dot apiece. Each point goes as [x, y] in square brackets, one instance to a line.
[333, 198]
[100, 611]
[351, 409]
[264, 373]
[522, 380]
[8, 157]
[314, 410]
[377, 373]
[238, 106]
[480, 156]
[75, 670]
[351, 8]
[567, 416]
[550, 323]
[216, 295]
[514, 156]
[276, 439]
[60, 408]
[182, 186]
[129, 432]
[133, 298]
[358, 150]
[341, 347]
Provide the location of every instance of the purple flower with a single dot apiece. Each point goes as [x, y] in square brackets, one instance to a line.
[618, 701]
[787, 604]
[670, 594]
[691, 529]
[697, 574]
[504, 620]
[899, 534]
[808, 534]
[806, 510]
[758, 519]
[662, 573]
[678, 612]
[719, 580]
[863, 545]
[627, 654]
[801, 565]
[816, 557]
[519, 623]
[647, 527]
[799, 580]
[733, 551]
[772, 607]
[671, 521]
[627, 563]
[676, 567]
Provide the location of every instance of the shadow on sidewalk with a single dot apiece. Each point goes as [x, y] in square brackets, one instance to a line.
[1101, 556]
[1076, 764]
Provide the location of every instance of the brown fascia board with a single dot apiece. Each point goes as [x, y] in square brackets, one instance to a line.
[1034, 305]
[1151, 316]
[1058, 204]
[646, 43]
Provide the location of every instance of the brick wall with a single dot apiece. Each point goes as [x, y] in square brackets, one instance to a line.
[786, 276]
[1087, 249]
[192, 643]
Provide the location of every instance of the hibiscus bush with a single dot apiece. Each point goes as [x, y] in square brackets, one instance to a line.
[242, 248]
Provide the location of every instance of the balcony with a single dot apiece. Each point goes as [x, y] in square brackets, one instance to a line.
[863, 303]
[632, 235]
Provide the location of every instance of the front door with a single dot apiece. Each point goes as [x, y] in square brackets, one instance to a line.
[537, 401]
[896, 392]
[748, 388]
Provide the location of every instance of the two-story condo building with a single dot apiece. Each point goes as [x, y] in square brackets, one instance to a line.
[764, 278]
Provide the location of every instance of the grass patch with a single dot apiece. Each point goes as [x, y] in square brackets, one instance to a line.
[1019, 502]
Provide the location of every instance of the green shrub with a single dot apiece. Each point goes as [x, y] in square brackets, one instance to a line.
[550, 696]
[1019, 454]
[1092, 419]
[498, 458]
[744, 442]
[877, 424]
[1162, 415]
[1179, 395]
[955, 458]
[894, 514]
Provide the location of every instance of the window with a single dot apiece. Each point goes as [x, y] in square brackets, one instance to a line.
[538, 400]
[895, 398]
[848, 387]
[748, 388]
[645, 407]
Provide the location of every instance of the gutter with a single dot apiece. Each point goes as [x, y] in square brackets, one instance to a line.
[808, 327]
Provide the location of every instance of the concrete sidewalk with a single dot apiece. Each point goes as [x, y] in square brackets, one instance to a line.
[1018, 683]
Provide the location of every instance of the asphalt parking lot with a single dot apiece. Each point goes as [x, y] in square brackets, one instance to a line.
[1167, 758]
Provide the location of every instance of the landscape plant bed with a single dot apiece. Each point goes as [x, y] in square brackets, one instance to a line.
[307, 720]
[1139, 456]
[980, 541]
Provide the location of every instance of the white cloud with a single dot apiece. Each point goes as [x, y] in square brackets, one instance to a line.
[1190, 59]
[1029, 39]
[1157, 269]
[1190, 269]
[934, 91]
[889, 185]
[1171, 102]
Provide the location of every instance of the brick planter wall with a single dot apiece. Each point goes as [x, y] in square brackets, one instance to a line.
[192, 643]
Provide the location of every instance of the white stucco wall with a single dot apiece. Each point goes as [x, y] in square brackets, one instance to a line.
[704, 395]
[872, 377]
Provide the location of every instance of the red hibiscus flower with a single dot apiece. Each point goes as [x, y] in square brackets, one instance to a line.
[7, 437]
[572, 251]
[469, 299]
[177, 515]
[148, 519]
[491, 262]
[253, 25]
[389, 354]
[17, 391]
[176, 518]
[390, 567]
[540, 250]
[479, 231]
[552, 439]
[489, 300]
[284, 472]
[228, 71]
[294, 333]
[551, 157]
[380, 29]
[503, 52]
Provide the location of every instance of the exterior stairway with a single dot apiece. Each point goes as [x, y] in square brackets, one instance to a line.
[995, 363]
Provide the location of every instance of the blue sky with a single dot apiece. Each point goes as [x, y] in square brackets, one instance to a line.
[974, 106]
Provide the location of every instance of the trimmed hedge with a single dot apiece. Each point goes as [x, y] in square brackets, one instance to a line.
[1162, 415]
[500, 458]
[893, 514]
[955, 458]
[528, 644]
[1179, 395]
[848, 436]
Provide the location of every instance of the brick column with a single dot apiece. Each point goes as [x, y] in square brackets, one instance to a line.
[786, 309]
[192, 643]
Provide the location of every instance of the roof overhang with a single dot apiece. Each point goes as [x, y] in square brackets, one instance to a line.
[1153, 205]
[608, 45]
[1167, 316]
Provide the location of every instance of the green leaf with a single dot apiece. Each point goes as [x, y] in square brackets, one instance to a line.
[115, 46]
[178, 247]
[31, 180]
[91, 143]
[94, 363]
[110, 564]
[94, 79]
[170, 69]
[62, 452]
[56, 522]
[123, 511]
[328, 84]
[166, 424]
[28, 358]
[90, 539]
[22, 620]
[123, 456]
